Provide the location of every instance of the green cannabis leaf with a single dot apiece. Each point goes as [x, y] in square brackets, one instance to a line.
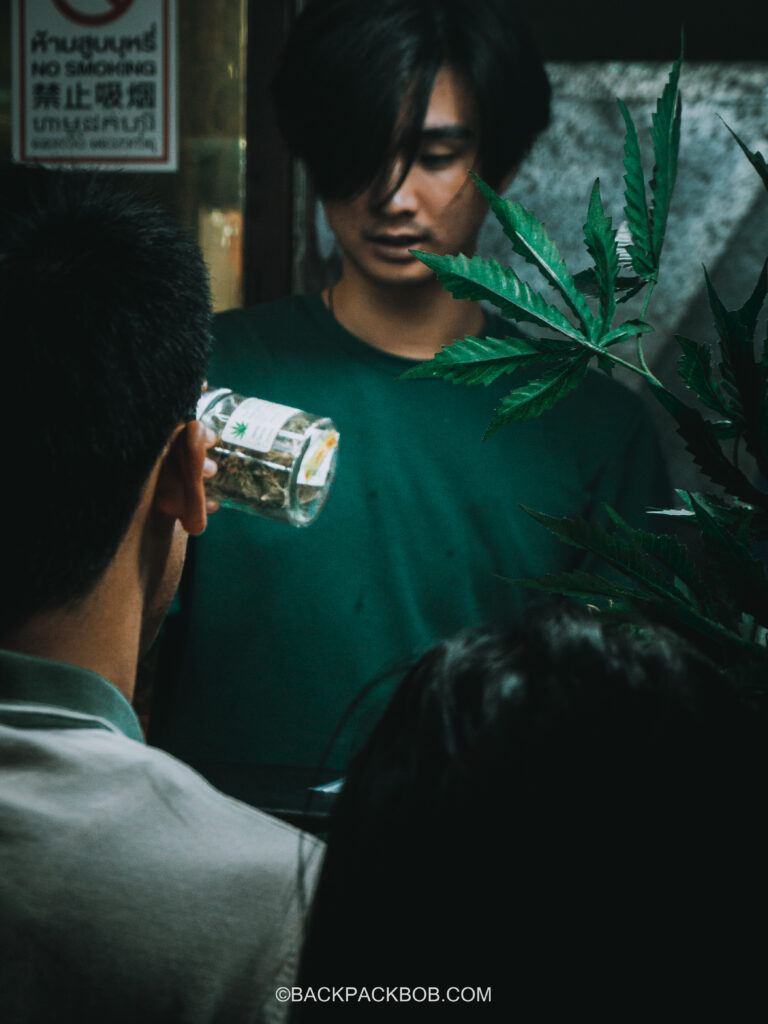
[648, 224]
[601, 245]
[484, 360]
[756, 159]
[665, 133]
[534, 398]
[478, 279]
[636, 210]
[530, 240]
[717, 597]
[586, 282]
[695, 368]
[590, 335]
[702, 442]
[675, 590]
[743, 386]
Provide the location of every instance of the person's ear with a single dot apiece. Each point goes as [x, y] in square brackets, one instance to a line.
[180, 490]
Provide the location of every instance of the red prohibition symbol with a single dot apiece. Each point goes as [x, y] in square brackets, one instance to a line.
[114, 10]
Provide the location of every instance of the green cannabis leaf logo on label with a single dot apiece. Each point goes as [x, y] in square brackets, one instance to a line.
[239, 429]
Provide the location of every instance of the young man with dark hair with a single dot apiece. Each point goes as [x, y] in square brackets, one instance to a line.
[391, 103]
[130, 890]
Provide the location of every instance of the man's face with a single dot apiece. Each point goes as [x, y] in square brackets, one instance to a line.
[437, 207]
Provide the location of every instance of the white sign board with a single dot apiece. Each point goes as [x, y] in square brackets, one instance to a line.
[94, 82]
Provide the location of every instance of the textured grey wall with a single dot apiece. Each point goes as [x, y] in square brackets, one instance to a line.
[719, 214]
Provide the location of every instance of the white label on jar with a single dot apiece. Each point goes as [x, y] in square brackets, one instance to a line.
[319, 459]
[255, 424]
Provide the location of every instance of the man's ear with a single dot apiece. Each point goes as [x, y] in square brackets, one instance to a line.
[180, 490]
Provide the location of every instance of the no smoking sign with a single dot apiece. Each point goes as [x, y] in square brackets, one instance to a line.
[98, 12]
[94, 82]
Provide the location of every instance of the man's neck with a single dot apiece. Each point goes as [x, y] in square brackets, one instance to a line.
[88, 634]
[109, 628]
[414, 321]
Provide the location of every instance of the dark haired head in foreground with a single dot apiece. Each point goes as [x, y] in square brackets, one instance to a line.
[566, 813]
[106, 331]
[356, 76]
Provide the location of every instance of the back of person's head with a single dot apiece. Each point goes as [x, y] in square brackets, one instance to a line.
[355, 78]
[560, 810]
[105, 309]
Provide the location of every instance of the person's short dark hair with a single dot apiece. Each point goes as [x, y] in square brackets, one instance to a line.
[349, 65]
[105, 308]
[566, 810]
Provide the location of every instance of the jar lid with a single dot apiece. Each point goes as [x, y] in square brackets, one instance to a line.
[209, 398]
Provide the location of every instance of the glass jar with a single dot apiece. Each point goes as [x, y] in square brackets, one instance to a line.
[273, 460]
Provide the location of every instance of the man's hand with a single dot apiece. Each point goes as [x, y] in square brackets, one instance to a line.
[209, 470]
[209, 466]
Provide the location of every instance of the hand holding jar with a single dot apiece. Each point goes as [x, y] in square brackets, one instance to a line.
[273, 460]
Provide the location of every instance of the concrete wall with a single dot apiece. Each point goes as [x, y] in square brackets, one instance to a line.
[719, 214]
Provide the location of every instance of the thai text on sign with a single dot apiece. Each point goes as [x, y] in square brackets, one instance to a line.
[94, 81]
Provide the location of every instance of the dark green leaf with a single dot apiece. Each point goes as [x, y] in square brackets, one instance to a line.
[701, 441]
[680, 513]
[730, 330]
[586, 281]
[750, 311]
[582, 585]
[723, 644]
[530, 240]
[616, 551]
[743, 381]
[675, 556]
[638, 285]
[740, 576]
[534, 398]
[719, 312]
[601, 246]
[482, 360]
[665, 133]
[478, 279]
[606, 364]
[629, 329]
[725, 429]
[695, 367]
[636, 210]
[663, 600]
[725, 511]
[756, 159]
[642, 265]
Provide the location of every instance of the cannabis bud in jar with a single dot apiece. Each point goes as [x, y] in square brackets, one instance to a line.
[273, 460]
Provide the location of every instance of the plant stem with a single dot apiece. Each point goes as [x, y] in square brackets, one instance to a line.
[642, 370]
[639, 339]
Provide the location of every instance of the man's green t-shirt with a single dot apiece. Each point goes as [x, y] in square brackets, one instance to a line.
[283, 627]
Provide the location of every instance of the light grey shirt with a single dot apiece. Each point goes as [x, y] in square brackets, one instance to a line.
[130, 889]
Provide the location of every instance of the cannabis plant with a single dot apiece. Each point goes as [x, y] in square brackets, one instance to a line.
[719, 596]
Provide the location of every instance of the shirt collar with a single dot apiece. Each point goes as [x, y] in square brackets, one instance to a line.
[41, 687]
[387, 361]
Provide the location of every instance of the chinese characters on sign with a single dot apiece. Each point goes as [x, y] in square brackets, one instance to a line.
[94, 82]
